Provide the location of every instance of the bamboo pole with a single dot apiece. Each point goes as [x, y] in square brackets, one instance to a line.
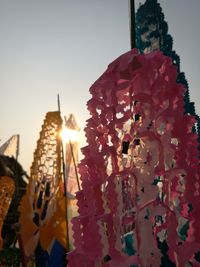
[65, 185]
[75, 167]
[132, 23]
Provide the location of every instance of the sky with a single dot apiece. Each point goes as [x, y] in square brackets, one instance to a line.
[50, 47]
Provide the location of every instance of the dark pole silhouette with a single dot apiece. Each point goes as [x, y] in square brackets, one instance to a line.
[132, 23]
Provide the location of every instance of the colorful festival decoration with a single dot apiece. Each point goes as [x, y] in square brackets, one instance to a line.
[43, 209]
[47, 207]
[11, 147]
[151, 34]
[7, 188]
[70, 137]
[12, 188]
[71, 140]
[140, 173]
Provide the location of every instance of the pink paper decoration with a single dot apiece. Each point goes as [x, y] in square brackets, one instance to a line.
[140, 173]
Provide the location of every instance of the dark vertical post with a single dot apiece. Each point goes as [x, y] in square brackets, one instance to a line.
[132, 23]
[65, 184]
[17, 150]
[58, 99]
[74, 162]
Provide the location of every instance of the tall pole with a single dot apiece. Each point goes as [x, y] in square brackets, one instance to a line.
[58, 99]
[75, 167]
[17, 150]
[65, 185]
[132, 23]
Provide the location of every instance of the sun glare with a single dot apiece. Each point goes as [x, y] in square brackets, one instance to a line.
[69, 135]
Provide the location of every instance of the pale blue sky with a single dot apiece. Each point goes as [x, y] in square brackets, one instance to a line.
[63, 46]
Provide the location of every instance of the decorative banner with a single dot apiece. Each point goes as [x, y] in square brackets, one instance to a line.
[70, 137]
[44, 207]
[140, 176]
[12, 189]
[71, 153]
[7, 188]
[11, 147]
[151, 34]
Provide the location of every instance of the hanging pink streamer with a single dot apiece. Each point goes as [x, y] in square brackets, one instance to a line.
[140, 173]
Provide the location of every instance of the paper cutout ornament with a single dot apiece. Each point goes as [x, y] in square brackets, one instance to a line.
[140, 174]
